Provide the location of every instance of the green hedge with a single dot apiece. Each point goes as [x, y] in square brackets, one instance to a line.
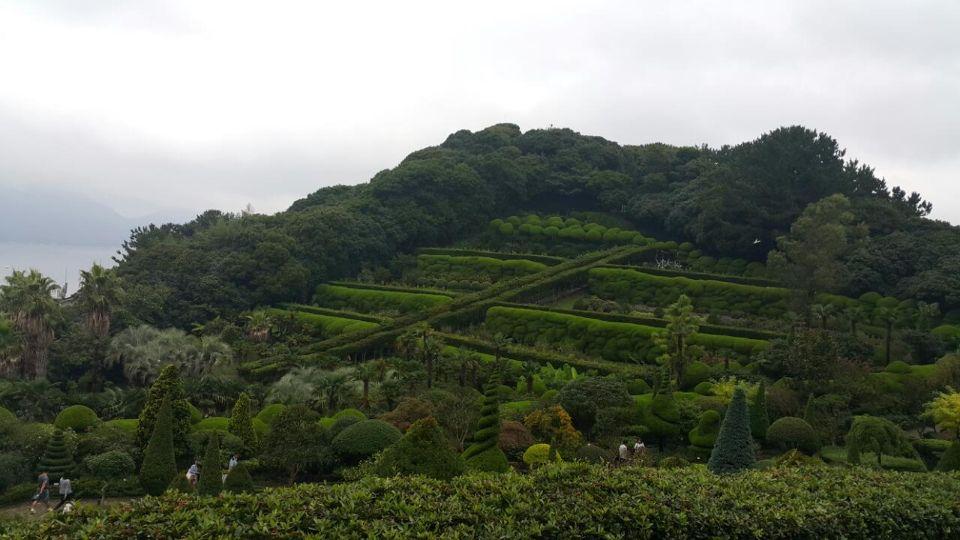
[452, 252]
[364, 439]
[583, 501]
[623, 342]
[317, 310]
[373, 300]
[469, 267]
[707, 294]
[326, 324]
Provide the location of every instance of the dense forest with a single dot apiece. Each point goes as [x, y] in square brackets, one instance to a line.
[555, 308]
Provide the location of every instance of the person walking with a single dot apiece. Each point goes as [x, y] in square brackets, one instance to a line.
[193, 474]
[43, 492]
[639, 448]
[623, 453]
[66, 491]
[234, 459]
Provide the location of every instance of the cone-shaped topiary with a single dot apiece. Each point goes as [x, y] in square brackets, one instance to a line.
[733, 451]
[168, 384]
[238, 479]
[422, 450]
[159, 460]
[483, 453]
[56, 458]
[950, 460]
[759, 420]
[211, 482]
[241, 422]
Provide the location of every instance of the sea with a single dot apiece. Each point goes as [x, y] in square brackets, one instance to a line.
[62, 263]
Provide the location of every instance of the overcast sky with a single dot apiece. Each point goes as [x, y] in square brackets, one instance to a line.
[194, 104]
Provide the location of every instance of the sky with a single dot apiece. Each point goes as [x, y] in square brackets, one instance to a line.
[185, 105]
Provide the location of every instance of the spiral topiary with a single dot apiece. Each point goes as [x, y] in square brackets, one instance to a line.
[483, 453]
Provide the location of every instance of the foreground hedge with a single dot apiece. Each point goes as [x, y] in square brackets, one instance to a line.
[569, 501]
[623, 342]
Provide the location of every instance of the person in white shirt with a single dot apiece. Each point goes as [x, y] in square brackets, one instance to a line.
[623, 452]
[639, 448]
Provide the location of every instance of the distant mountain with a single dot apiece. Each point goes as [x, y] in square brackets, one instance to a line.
[45, 216]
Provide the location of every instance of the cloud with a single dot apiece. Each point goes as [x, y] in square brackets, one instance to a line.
[187, 104]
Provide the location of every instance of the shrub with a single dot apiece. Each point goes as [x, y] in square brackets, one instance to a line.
[704, 435]
[422, 450]
[795, 458]
[592, 454]
[241, 424]
[128, 425]
[350, 413]
[57, 459]
[877, 435]
[514, 439]
[213, 423]
[791, 432]
[211, 481]
[324, 325]
[270, 413]
[899, 367]
[13, 470]
[372, 300]
[364, 439]
[76, 417]
[582, 397]
[6, 417]
[554, 424]
[733, 451]
[490, 460]
[696, 374]
[182, 484]
[159, 461]
[168, 384]
[471, 266]
[950, 461]
[111, 465]
[759, 420]
[672, 462]
[483, 453]
[536, 455]
[238, 480]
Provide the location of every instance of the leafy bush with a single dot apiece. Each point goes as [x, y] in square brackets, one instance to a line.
[536, 455]
[483, 453]
[422, 450]
[350, 413]
[364, 439]
[704, 435]
[371, 300]
[877, 435]
[211, 482]
[241, 424]
[14, 468]
[238, 480]
[791, 432]
[111, 465]
[784, 503]
[950, 461]
[6, 417]
[592, 454]
[514, 439]
[76, 417]
[583, 397]
[672, 462]
[899, 367]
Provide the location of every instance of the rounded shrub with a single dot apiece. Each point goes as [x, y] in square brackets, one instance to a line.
[219, 423]
[111, 465]
[950, 461]
[270, 413]
[704, 435]
[422, 450]
[129, 425]
[538, 454]
[592, 454]
[364, 439]
[76, 417]
[791, 432]
[238, 480]
[696, 373]
[514, 439]
[704, 389]
[638, 386]
[350, 413]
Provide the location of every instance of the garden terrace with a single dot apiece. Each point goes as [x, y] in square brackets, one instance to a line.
[336, 313]
[548, 260]
[377, 299]
[584, 501]
[617, 341]
[456, 268]
[327, 325]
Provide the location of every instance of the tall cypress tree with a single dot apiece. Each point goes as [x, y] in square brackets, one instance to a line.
[241, 423]
[159, 460]
[211, 482]
[168, 384]
[733, 451]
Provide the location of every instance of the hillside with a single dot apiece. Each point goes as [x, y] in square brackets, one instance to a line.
[642, 341]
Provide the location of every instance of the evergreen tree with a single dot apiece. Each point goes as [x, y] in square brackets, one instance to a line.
[159, 460]
[241, 423]
[211, 482]
[759, 421]
[56, 459]
[168, 384]
[733, 451]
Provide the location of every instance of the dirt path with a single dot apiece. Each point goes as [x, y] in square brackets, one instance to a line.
[22, 510]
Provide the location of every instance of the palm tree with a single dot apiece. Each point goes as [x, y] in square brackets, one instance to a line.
[364, 373]
[854, 314]
[822, 312]
[681, 324]
[100, 294]
[500, 344]
[889, 316]
[406, 344]
[429, 351]
[28, 300]
[530, 370]
[331, 386]
[258, 326]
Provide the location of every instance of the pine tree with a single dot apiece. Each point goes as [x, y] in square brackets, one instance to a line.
[56, 460]
[159, 460]
[211, 482]
[168, 384]
[759, 421]
[241, 423]
[733, 451]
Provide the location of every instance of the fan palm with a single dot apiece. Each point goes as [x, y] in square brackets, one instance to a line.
[364, 373]
[100, 294]
[28, 300]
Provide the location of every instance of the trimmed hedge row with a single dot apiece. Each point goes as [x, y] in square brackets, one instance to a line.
[470, 266]
[729, 278]
[376, 300]
[734, 331]
[571, 229]
[326, 324]
[395, 288]
[317, 310]
[585, 501]
[707, 294]
[623, 342]
[548, 260]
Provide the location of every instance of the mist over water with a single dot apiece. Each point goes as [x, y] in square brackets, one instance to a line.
[59, 262]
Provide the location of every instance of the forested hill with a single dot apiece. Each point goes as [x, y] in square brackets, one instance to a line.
[730, 201]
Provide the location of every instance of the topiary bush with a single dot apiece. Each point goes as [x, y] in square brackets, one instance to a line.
[592, 454]
[57, 458]
[733, 451]
[79, 418]
[111, 465]
[899, 367]
[128, 425]
[422, 450]
[704, 435]
[238, 480]
[6, 417]
[350, 413]
[483, 453]
[536, 455]
[364, 439]
[791, 432]
[241, 424]
[159, 460]
[672, 462]
[168, 384]
[270, 413]
[211, 481]
[759, 420]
